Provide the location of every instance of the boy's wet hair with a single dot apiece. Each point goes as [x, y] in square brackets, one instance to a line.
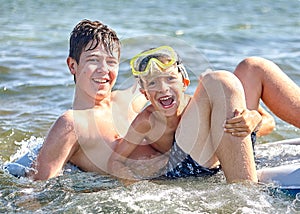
[95, 31]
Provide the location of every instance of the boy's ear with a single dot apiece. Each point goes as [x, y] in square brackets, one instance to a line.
[72, 64]
[144, 92]
[186, 83]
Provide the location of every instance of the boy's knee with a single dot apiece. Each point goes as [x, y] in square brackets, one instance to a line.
[251, 64]
[222, 81]
[214, 75]
[219, 77]
[253, 60]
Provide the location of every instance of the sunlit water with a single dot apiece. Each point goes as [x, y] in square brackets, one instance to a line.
[36, 87]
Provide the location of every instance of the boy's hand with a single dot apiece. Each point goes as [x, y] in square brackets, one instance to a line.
[148, 167]
[243, 123]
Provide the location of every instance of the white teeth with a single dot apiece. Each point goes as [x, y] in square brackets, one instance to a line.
[165, 98]
[100, 80]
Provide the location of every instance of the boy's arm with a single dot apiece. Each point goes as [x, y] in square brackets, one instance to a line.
[134, 137]
[267, 124]
[59, 145]
[127, 105]
[117, 161]
[247, 121]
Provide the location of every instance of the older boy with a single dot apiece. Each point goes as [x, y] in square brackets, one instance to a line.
[85, 134]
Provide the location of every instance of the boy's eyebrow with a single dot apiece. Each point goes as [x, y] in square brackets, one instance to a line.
[93, 54]
[100, 55]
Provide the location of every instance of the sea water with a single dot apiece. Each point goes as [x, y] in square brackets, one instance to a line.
[36, 87]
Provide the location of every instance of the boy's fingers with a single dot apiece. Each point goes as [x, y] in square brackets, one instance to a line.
[234, 120]
[235, 125]
[240, 134]
[236, 130]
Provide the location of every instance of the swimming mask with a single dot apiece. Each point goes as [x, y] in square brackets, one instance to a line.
[155, 61]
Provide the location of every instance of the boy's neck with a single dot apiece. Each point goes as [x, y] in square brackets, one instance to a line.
[81, 103]
[183, 104]
[170, 121]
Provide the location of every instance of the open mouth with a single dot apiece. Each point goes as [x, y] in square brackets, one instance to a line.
[166, 101]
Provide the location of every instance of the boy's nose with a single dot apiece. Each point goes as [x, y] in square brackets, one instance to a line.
[103, 68]
[163, 86]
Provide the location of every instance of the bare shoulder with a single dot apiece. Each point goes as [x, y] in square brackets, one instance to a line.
[147, 112]
[72, 123]
[142, 122]
[61, 131]
[131, 98]
[67, 117]
[80, 119]
[64, 123]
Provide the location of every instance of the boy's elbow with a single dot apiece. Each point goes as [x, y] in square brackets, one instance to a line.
[268, 127]
[271, 125]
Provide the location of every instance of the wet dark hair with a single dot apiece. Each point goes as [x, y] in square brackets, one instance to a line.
[95, 31]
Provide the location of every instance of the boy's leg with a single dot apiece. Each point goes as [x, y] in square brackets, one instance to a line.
[263, 79]
[201, 131]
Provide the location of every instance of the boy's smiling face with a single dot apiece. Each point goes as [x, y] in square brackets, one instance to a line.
[97, 71]
[165, 90]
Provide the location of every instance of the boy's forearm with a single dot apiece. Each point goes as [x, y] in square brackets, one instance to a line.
[267, 124]
[118, 169]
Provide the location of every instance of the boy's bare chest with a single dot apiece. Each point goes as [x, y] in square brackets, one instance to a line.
[164, 142]
[96, 127]
[105, 127]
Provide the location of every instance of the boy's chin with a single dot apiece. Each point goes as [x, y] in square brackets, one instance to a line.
[102, 94]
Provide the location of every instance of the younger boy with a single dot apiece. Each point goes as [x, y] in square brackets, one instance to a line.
[163, 80]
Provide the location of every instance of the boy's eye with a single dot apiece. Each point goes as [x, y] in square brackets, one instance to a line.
[151, 83]
[112, 62]
[92, 60]
[172, 78]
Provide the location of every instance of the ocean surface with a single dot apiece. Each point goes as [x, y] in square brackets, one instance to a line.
[36, 87]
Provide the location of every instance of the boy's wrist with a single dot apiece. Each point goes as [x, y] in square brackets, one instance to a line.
[259, 124]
